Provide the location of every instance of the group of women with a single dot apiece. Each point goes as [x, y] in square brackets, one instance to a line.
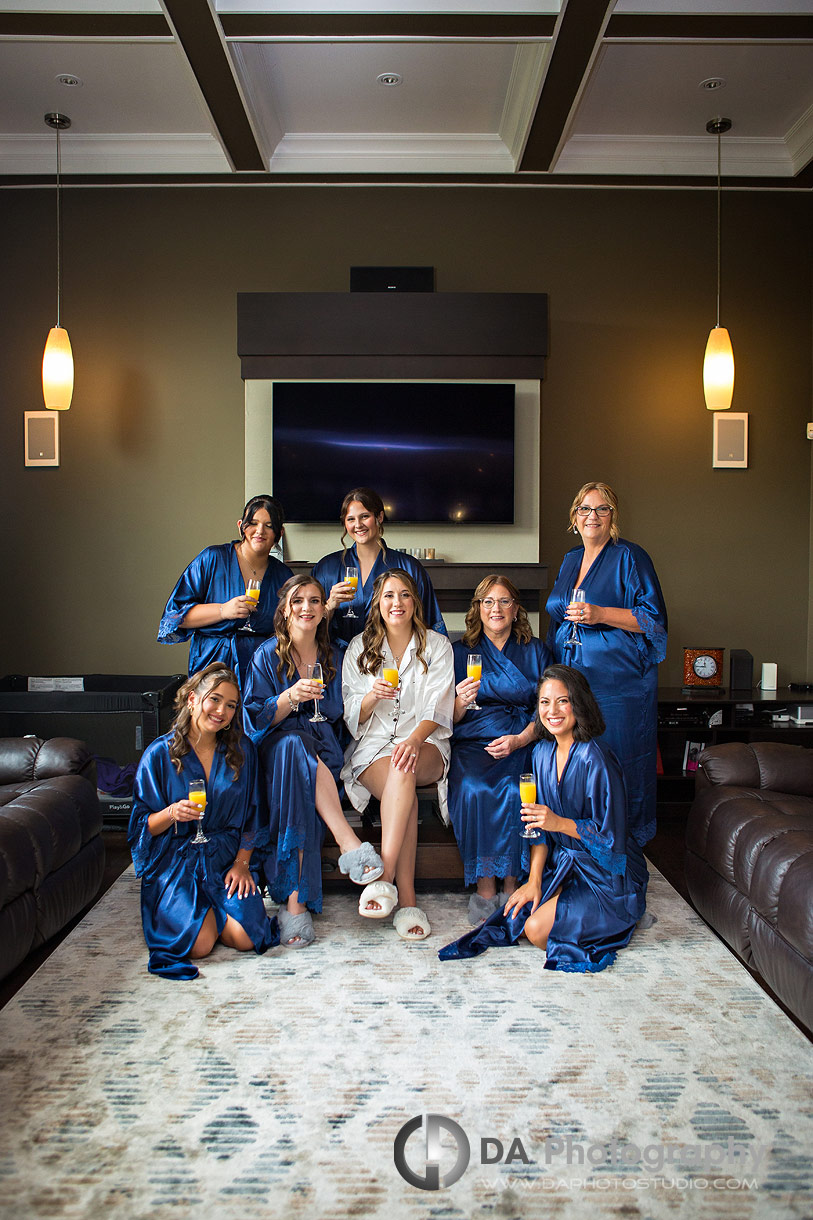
[353, 686]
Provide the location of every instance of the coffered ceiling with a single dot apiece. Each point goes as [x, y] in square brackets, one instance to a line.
[555, 91]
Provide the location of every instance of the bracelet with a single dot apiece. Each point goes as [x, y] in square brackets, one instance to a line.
[173, 817]
[294, 706]
[241, 862]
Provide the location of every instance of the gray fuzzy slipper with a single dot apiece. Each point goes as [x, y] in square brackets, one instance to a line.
[295, 931]
[480, 908]
[363, 864]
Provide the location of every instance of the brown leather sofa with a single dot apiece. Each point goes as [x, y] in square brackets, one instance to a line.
[749, 861]
[51, 848]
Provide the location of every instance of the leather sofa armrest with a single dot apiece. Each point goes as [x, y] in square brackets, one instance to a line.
[24, 759]
[757, 764]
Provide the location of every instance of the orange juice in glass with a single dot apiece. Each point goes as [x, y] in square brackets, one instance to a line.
[197, 795]
[474, 670]
[390, 674]
[253, 591]
[351, 577]
[527, 795]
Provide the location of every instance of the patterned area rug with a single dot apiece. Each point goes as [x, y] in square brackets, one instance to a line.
[667, 1086]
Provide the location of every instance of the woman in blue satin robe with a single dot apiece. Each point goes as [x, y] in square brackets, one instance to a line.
[301, 758]
[363, 517]
[621, 629]
[491, 743]
[208, 606]
[193, 894]
[587, 876]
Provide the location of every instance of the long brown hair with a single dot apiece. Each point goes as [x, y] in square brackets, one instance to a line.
[230, 738]
[371, 657]
[373, 503]
[473, 628]
[286, 667]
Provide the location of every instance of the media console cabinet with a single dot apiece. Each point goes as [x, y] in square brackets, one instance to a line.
[710, 718]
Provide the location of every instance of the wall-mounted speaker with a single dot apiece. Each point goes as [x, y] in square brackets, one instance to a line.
[41, 438]
[730, 448]
[392, 279]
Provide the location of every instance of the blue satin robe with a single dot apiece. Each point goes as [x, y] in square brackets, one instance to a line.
[621, 666]
[215, 576]
[330, 570]
[288, 755]
[484, 791]
[602, 874]
[182, 881]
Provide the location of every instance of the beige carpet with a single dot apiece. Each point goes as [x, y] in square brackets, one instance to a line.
[276, 1086]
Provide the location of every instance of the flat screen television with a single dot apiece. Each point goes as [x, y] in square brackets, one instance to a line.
[434, 451]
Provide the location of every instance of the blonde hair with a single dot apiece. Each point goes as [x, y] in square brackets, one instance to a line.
[371, 657]
[473, 627]
[609, 495]
[201, 684]
[286, 667]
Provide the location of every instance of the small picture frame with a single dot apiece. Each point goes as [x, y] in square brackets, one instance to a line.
[730, 445]
[41, 438]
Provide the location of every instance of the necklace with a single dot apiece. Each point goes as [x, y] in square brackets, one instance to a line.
[248, 563]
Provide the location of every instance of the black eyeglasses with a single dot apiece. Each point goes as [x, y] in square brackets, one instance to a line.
[585, 510]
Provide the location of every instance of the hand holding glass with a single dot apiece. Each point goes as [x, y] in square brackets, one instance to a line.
[315, 675]
[197, 795]
[474, 670]
[578, 599]
[351, 577]
[527, 796]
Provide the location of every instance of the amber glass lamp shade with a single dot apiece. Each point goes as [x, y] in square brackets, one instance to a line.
[718, 370]
[57, 370]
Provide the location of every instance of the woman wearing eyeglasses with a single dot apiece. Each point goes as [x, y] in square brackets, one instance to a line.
[492, 739]
[616, 637]
[209, 606]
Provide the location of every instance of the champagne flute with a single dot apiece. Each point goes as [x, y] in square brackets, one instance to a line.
[578, 598]
[315, 675]
[527, 796]
[253, 594]
[351, 577]
[390, 674]
[197, 795]
[474, 669]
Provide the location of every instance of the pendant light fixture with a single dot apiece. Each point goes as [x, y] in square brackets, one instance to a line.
[718, 366]
[57, 359]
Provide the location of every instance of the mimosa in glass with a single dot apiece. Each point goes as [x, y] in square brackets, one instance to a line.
[351, 577]
[527, 796]
[474, 670]
[197, 795]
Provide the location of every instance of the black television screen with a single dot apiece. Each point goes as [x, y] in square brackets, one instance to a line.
[434, 451]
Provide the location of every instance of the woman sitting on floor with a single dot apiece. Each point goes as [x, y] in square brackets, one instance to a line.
[587, 880]
[194, 893]
[398, 685]
[301, 757]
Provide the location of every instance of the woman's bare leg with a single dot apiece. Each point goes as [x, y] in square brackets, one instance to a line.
[329, 808]
[537, 926]
[399, 817]
[207, 936]
[235, 936]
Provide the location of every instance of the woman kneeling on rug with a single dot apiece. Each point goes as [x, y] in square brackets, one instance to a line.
[587, 879]
[197, 888]
[295, 720]
[398, 686]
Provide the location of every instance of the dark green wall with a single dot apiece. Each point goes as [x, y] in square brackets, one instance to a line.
[152, 448]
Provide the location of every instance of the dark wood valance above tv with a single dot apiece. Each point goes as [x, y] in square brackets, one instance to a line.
[392, 335]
